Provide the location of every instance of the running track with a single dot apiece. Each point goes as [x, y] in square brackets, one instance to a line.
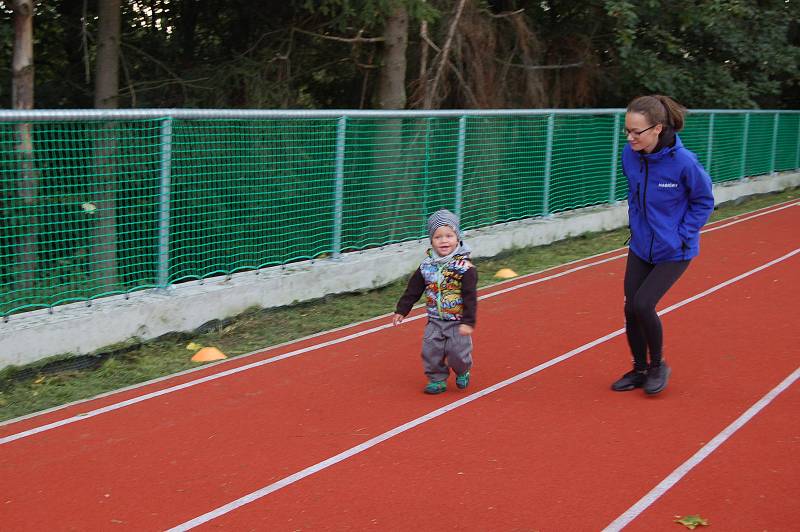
[333, 433]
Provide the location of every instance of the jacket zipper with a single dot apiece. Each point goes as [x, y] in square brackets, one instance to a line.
[644, 206]
[637, 199]
[439, 279]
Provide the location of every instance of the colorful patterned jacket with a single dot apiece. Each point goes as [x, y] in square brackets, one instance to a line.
[450, 289]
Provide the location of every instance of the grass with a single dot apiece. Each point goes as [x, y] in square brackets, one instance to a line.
[60, 380]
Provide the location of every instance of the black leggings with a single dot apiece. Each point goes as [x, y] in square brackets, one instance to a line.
[645, 285]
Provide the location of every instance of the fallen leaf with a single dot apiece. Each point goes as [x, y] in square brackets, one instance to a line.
[691, 521]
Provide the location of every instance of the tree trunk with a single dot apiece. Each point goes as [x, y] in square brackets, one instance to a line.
[422, 83]
[22, 98]
[390, 179]
[189, 11]
[392, 82]
[106, 88]
[22, 88]
[104, 236]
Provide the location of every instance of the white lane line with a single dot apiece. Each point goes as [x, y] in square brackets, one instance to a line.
[263, 350]
[721, 224]
[551, 277]
[233, 371]
[129, 402]
[291, 479]
[728, 282]
[634, 511]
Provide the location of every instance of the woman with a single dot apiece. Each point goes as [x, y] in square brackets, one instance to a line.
[669, 200]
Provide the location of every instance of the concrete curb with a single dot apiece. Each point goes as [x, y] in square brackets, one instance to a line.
[80, 329]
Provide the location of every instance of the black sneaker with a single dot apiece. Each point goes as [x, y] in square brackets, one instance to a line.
[657, 377]
[629, 381]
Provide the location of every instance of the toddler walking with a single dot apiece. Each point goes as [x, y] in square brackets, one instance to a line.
[449, 281]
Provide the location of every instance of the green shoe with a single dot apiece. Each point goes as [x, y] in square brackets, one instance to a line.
[434, 387]
[462, 381]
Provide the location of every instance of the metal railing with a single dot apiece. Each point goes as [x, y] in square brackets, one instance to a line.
[102, 202]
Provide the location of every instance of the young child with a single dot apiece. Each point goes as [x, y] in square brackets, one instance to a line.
[449, 281]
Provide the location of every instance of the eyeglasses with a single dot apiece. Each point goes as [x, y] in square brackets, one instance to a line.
[633, 133]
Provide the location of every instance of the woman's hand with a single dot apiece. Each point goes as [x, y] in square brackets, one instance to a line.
[465, 330]
[397, 319]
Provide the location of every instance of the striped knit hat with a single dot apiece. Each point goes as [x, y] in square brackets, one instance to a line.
[441, 218]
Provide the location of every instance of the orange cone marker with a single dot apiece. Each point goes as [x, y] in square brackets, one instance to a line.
[208, 354]
[505, 273]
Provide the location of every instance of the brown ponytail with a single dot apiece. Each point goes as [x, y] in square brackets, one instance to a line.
[659, 109]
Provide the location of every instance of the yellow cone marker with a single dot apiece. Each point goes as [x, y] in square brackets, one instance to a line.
[207, 354]
[505, 273]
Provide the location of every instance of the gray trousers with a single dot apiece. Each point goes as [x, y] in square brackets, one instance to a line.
[444, 349]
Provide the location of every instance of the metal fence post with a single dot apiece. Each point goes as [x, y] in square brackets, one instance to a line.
[548, 162]
[745, 140]
[612, 193]
[462, 139]
[797, 158]
[774, 144]
[338, 194]
[162, 278]
[425, 170]
[710, 143]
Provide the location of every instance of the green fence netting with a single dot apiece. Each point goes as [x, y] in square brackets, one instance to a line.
[105, 205]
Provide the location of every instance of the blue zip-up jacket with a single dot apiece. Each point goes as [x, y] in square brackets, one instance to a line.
[669, 200]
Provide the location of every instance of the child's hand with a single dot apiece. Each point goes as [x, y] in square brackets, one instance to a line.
[465, 330]
[397, 319]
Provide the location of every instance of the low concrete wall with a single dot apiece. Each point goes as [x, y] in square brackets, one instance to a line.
[81, 329]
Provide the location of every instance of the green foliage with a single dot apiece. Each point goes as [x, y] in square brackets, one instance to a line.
[303, 53]
[368, 13]
[715, 53]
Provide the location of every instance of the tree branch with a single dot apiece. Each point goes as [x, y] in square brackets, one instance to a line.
[356, 39]
[540, 67]
[464, 85]
[85, 44]
[445, 52]
[160, 84]
[128, 80]
[507, 13]
[153, 59]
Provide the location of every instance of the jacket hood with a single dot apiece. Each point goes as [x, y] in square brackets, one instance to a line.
[463, 250]
[663, 152]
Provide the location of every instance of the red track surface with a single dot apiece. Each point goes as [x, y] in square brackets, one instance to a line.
[556, 450]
